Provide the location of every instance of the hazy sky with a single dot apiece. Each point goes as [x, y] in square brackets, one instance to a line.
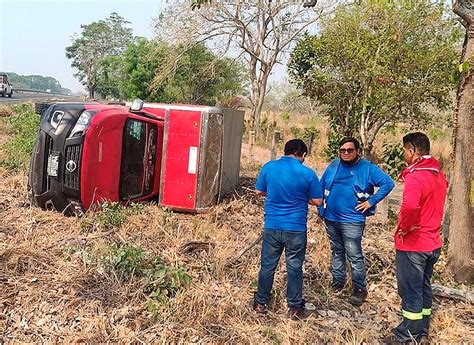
[34, 33]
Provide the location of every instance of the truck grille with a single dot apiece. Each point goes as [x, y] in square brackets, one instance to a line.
[72, 166]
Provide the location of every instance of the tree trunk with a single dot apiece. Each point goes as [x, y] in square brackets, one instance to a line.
[460, 249]
[259, 86]
[91, 89]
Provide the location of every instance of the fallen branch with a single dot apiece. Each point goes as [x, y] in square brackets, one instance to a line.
[460, 295]
[236, 258]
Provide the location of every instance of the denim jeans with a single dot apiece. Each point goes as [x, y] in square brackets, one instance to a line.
[414, 271]
[345, 240]
[294, 244]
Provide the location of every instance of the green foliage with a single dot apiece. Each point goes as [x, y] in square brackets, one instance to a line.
[98, 41]
[156, 71]
[304, 134]
[24, 124]
[161, 282]
[125, 260]
[285, 116]
[112, 215]
[332, 149]
[393, 160]
[36, 82]
[376, 64]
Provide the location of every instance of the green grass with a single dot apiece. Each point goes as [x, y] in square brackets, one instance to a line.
[23, 128]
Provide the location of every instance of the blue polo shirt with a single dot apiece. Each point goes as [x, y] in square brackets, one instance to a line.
[289, 185]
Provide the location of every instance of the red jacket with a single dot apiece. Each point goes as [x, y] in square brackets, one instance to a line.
[421, 213]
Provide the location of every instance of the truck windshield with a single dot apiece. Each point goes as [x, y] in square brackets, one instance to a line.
[137, 168]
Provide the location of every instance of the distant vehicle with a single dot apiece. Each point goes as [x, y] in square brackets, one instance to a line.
[185, 157]
[6, 89]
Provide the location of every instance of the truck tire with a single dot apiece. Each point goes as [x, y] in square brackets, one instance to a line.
[41, 107]
[10, 95]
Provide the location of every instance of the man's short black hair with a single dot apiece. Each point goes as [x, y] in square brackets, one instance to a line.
[295, 147]
[350, 140]
[418, 141]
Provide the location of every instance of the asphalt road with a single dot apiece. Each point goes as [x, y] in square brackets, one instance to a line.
[20, 97]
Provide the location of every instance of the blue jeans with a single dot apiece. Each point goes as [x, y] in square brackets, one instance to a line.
[345, 240]
[294, 244]
[414, 271]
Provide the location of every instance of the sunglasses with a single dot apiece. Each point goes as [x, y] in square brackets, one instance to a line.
[349, 151]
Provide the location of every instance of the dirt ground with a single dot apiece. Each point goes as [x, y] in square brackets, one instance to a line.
[53, 287]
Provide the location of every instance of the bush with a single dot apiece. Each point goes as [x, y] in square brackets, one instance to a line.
[332, 150]
[24, 124]
[393, 160]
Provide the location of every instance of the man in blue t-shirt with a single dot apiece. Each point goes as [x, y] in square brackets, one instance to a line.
[288, 186]
[348, 187]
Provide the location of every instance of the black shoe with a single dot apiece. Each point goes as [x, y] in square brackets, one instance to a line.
[392, 339]
[358, 297]
[296, 313]
[336, 286]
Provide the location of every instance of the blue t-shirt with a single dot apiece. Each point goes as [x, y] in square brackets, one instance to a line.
[289, 186]
[342, 200]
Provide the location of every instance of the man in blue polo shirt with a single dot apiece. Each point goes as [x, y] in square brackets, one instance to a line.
[288, 186]
[348, 184]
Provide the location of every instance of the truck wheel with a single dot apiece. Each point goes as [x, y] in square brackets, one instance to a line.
[3, 94]
[10, 95]
[41, 107]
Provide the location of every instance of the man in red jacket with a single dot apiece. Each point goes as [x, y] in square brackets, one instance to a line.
[417, 238]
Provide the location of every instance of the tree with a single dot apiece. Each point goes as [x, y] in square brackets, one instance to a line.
[260, 31]
[376, 64]
[97, 41]
[461, 234]
[156, 71]
[108, 82]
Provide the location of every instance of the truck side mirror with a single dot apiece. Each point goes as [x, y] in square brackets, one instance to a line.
[137, 105]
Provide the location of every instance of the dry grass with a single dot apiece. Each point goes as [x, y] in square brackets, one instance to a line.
[53, 288]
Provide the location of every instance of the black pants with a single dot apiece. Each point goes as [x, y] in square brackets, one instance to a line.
[414, 271]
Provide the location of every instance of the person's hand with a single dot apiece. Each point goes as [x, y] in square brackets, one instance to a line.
[363, 206]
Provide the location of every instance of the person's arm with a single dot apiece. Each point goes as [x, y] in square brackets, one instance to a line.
[409, 216]
[261, 184]
[315, 202]
[382, 180]
[315, 192]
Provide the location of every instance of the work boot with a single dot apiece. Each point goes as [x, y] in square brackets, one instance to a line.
[258, 307]
[296, 314]
[358, 296]
[337, 286]
[426, 326]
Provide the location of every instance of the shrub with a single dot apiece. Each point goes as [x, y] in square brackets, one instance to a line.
[161, 282]
[393, 160]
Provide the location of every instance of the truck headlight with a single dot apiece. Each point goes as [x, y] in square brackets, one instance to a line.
[82, 123]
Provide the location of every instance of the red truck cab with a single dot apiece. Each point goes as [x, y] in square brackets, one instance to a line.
[88, 153]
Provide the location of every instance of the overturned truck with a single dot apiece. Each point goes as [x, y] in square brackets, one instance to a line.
[186, 157]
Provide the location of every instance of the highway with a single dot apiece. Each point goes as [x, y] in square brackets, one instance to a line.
[21, 97]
